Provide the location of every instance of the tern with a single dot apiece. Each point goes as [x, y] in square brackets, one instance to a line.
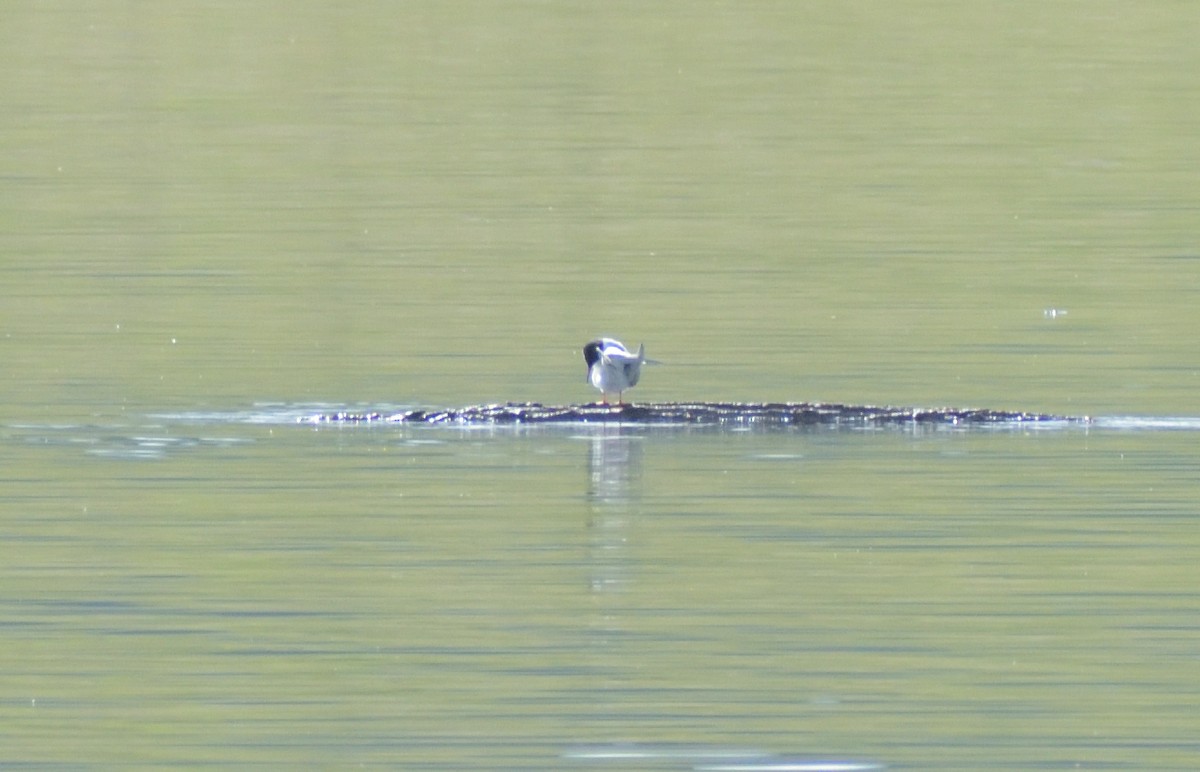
[611, 366]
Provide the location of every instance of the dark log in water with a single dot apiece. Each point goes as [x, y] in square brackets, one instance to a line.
[734, 414]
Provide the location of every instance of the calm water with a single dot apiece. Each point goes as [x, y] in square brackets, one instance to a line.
[219, 219]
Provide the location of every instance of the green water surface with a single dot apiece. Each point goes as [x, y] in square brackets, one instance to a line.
[218, 216]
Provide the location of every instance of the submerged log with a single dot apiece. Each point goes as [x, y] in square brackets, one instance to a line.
[732, 414]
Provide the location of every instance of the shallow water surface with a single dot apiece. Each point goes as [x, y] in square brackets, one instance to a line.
[221, 217]
[600, 597]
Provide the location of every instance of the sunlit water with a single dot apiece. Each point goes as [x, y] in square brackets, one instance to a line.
[256, 589]
[222, 218]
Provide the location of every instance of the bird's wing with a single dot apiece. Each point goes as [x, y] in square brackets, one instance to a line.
[633, 372]
[618, 356]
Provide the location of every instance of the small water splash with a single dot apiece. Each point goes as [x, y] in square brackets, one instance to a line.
[709, 759]
[731, 416]
[151, 448]
[270, 413]
[1148, 423]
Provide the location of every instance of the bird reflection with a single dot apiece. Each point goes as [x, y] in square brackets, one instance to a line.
[614, 466]
[614, 488]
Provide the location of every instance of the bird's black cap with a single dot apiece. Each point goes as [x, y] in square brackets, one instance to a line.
[591, 353]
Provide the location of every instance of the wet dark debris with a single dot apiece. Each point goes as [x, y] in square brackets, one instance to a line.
[734, 414]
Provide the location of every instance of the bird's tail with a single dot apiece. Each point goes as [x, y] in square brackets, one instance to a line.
[642, 359]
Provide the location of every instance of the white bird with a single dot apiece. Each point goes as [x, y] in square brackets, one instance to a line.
[611, 367]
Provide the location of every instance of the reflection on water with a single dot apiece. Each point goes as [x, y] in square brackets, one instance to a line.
[128, 443]
[614, 494]
[702, 759]
[674, 600]
[615, 452]
[1148, 423]
[614, 466]
[213, 203]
